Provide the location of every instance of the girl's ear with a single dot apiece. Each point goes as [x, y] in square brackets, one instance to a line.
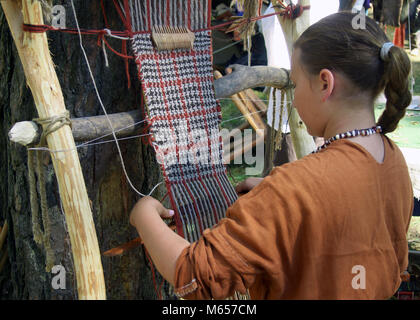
[327, 83]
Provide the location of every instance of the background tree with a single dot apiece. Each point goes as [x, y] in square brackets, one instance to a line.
[24, 275]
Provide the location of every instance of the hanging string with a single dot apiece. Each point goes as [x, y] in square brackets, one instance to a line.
[242, 116]
[43, 238]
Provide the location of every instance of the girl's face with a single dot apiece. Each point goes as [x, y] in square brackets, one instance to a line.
[307, 98]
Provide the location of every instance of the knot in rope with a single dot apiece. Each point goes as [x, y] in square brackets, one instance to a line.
[293, 11]
[52, 124]
[36, 173]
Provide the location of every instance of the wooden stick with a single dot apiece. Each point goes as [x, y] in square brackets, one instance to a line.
[252, 110]
[254, 113]
[241, 106]
[254, 98]
[117, 251]
[90, 128]
[42, 80]
[244, 77]
[303, 143]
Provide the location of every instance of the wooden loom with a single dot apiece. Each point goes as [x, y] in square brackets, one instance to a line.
[50, 103]
[41, 78]
[84, 252]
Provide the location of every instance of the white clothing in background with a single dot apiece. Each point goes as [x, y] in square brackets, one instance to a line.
[278, 55]
[358, 5]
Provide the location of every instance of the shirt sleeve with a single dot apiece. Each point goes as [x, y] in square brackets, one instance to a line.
[255, 239]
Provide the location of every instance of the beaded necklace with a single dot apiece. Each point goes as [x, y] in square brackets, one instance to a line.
[350, 134]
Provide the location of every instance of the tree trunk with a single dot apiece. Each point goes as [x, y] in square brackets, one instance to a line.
[24, 275]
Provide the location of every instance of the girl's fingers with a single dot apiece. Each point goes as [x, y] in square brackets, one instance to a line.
[166, 213]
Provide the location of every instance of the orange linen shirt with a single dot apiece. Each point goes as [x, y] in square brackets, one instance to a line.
[329, 226]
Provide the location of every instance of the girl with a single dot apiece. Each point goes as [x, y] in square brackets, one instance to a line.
[331, 225]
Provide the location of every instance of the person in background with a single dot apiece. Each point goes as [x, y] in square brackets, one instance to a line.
[361, 5]
[413, 28]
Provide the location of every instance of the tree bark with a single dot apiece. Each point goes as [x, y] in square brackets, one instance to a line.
[24, 275]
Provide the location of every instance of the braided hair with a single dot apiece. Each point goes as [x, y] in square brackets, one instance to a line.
[333, 43]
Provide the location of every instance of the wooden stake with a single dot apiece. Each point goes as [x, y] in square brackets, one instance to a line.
[252, 110]
[292, 29]
[137, 242]
[257, 101]
[41, 78]
[241, 106]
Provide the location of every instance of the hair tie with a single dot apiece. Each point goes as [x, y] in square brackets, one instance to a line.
[385, 50]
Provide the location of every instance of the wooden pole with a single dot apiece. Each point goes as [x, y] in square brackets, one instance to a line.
[292, 29]
[128, 123]
[252, 110]
[258, 103]
[244, 77]
[242, 107]
[42, 80]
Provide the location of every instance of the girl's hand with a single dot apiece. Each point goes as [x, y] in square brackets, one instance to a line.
[148, 205]
[248, 184]
[163, 244]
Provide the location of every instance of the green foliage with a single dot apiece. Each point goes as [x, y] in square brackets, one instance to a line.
[233, 118]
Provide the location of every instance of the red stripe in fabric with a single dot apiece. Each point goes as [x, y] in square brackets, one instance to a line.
[189, 14]
[149, 23]
[193, 55]
[187, 115]
[128, 17]
[156, 56]
[177, 219]
[127, 71]
[172, 83]
[209, 13]
[179, 54]
[168, 12]
[181, 91]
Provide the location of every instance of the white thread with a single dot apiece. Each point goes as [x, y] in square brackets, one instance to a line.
[102, 105]
[265, 100]
[89, 143]
[108, 134]
[109, 33]
[105, 54]
[243, 116]
[83, 145]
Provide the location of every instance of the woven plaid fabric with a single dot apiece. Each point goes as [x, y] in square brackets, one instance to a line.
[185, 117]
